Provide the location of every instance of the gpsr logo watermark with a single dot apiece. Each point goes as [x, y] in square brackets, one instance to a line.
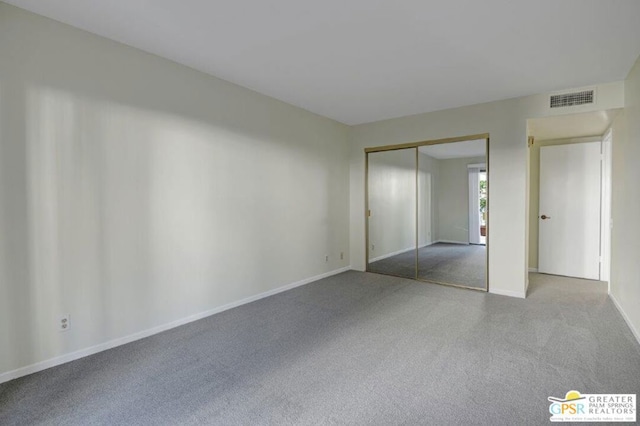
[577, 407]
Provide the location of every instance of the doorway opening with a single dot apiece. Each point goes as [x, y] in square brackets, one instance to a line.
[483, 207]
[569, 198]
[477, 204]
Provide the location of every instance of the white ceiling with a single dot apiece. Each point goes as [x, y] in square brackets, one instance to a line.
[358, 61]
[466, 149]
[571, 125]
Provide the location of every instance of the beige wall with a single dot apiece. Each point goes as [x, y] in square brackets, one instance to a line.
[534, 189]
[135, 192]
[453, 199]
[625, 235]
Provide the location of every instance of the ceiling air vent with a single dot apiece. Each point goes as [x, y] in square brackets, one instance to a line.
[572, 99]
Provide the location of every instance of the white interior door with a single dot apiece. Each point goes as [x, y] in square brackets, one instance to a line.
[569, 216]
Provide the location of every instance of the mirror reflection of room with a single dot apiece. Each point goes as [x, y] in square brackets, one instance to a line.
[452, 213]
[427, 216]
[392, 212]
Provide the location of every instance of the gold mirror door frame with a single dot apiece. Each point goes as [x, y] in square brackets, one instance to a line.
[414, 147]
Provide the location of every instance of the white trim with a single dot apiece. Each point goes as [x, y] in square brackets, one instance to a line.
[466, 243]
[605, 207]
[635, 332]
[509, 293]
[72, 356]
[395, 253]
[533, 269]
[384, 256]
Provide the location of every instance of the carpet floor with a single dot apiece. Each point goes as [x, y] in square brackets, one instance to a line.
[441, 262]
[355, 348]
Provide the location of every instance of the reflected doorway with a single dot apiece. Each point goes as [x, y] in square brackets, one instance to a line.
[477, 203]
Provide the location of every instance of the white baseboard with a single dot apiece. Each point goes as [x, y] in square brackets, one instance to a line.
[466, 243]
[533, 269]
[634, 331]
[384, 256]
[72, 356]
[510, 293]
[395, 253]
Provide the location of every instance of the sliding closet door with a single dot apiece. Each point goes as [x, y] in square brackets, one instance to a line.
[452, 213]
[392, 242]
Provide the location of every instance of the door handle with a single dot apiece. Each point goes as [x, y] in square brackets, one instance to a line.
[545, 217]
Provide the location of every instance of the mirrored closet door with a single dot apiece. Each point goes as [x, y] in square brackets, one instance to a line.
[427, 214]
[392, 212]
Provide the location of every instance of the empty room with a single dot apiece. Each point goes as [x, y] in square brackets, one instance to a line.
[309, 213]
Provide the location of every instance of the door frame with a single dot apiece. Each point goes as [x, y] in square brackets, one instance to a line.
[605, 205]
[416, 145]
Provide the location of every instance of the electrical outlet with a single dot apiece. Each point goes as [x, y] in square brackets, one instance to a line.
[341, 255]
[326, 257]
[64, 322]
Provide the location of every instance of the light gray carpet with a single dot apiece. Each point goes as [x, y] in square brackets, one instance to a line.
[441, 262]
[356, 348]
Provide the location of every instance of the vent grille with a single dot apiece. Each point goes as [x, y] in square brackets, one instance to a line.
[572, 99]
